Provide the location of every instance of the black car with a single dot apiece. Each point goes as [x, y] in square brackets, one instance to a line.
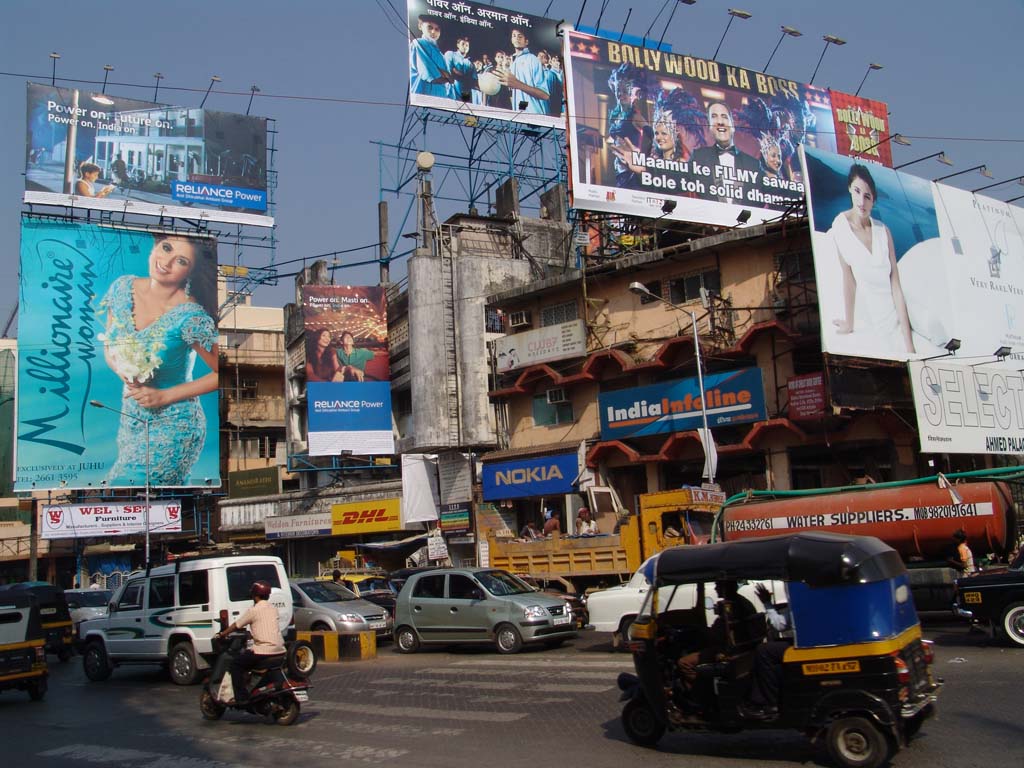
[996, 597]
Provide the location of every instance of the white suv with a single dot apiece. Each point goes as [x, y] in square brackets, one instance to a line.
[169, 614]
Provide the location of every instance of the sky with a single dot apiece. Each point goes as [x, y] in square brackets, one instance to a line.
[333, 74]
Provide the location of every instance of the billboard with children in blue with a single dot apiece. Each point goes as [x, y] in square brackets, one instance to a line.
[485, 61]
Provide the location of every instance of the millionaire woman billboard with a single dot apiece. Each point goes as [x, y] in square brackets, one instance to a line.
[117, 363]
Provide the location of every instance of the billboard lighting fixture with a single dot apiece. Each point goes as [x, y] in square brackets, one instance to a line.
[104, 100]
[871, 68]
[743, 217]
[898, 138]
[213, 79]
[158, 76]
[668, 206]
[1002, 352]
[982, 168]
[942, 157]
[522, 106]
[734, 13]
[829, 40]
[107, 69]
[1018, 179]
[786, 32]
[53, 57]
[950, 346]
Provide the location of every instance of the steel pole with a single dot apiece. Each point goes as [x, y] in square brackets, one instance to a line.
[703, 397]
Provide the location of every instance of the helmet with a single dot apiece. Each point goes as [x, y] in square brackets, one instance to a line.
[260, 589]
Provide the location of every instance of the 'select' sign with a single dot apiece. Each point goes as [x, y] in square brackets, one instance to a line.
[536, 476]
[366, 516]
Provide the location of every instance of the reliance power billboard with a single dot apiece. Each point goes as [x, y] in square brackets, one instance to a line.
[348, 389]
[476, 58]
[650, 127]
[126, 319]
[904, 265]
[92, 150]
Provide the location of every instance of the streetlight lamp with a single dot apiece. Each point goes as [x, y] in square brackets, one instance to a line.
[709, 467]
[98, 404]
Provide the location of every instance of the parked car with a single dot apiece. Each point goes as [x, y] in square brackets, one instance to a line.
[374, 588]
[323, 606]
[451, 606]
[398, 578]
[556, 586]
[614, 609]
[86, 604]
[996, 597]
[169, 614]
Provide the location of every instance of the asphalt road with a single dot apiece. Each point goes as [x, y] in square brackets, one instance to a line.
[472, 708]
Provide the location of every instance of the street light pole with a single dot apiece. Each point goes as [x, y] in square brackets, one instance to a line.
[641, 290]
[145, 518]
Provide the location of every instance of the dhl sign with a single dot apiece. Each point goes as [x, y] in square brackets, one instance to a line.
[366, 516]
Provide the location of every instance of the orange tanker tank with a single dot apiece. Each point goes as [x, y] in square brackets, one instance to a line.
[917, 521]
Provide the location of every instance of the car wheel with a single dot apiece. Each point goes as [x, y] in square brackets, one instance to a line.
[855, 742]
[182, 664]
[406, 640]
[95, 662]
[508, 639]
[37, 689]
[1011, 625]
[620, 640]
[321, 627]
[301, 659]
[286, 710]
[210, 707]
[640, 724]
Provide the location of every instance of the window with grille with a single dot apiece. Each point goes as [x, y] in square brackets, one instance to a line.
[687, 288]
[493, 321]
[247, 389]
[558, 313]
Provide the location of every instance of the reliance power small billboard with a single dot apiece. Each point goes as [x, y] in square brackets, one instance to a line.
[93, 150]
[482, 60]
[650, 127]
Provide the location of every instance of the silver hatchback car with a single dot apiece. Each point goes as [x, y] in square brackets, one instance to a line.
[478, 605]
[324, 605]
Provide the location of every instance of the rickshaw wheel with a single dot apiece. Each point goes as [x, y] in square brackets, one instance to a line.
[37, 689]
[855, 742]
[640, 724]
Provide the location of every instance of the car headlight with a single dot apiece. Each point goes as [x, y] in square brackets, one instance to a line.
[535, 612]
[350, 618]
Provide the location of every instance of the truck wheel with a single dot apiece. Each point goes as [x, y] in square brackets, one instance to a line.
[95, 662]
[182, 664]
[508, 639]
[640, 724]
[1011, 625]
[855, 742]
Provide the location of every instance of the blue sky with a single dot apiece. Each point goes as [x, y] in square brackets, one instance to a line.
[333, 74]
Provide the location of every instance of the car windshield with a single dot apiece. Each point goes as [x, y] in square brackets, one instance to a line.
[326, 592]
[94, 598]
[502, 583]
[374, 585]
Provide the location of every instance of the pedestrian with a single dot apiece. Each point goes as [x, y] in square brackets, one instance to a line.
[963, 558]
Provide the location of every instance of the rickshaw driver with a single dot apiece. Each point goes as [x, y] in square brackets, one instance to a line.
[732, 608]
[763, 703]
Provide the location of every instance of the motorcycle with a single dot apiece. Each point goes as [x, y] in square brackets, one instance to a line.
[275, 690]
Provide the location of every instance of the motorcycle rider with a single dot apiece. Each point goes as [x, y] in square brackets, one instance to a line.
[262, 620]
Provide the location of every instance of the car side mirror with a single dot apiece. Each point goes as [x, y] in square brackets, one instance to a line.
[112, 607]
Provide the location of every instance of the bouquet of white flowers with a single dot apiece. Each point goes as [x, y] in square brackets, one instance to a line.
[132, 358]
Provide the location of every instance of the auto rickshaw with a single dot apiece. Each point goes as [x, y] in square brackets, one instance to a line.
[53, 613]
[857, 676]
[22, 655]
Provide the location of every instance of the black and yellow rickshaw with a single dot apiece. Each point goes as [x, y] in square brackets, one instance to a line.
[22, 655]
[857, 673]
[53, 613]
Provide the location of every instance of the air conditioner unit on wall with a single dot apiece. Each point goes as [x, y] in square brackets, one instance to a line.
[518, 319]
[556, 396]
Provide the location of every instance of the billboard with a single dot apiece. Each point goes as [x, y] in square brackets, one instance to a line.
[348, 392]
[904, 265]
[475, 58]
[374, 516]
[648, 127]
[72, 521]
[297, 526]
[93, 150]
[127, 319]
[535, 476]
[732, 397]
[964, 408]
[541, 345]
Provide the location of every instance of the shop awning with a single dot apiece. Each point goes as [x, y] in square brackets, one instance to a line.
[411, 544]
[106, 549]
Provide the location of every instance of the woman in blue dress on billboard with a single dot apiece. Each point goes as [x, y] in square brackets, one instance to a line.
[155, 328]
[871, 279]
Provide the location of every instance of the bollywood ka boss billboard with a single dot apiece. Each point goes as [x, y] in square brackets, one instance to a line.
[478, 59]
[348, 389]
[93, 150]
[731, 397]
[127, 319]
[648, 127]
[903, 265]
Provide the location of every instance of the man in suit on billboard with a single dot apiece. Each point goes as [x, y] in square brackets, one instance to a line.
[724, 151]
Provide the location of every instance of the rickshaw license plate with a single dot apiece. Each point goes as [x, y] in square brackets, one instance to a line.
[560, 620]
[301, 696]
[831, 667]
